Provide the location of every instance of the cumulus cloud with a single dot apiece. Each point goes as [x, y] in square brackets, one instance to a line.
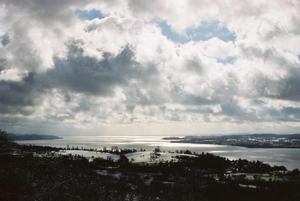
[90, 63]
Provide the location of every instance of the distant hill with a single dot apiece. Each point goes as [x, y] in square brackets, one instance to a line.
[18, 137]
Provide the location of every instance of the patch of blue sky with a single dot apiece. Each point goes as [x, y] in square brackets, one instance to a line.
[4, 39]
[89, 14]
[172, 35]
[227, 60]
[203, 32]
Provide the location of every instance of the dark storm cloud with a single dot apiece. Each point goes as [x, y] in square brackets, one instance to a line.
[86, 74]
[286, 88]
[89, 75]
[17, 97]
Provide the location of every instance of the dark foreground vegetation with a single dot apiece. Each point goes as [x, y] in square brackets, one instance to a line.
[24, 176]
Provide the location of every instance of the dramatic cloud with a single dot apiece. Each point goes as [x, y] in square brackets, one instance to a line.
[188, 66]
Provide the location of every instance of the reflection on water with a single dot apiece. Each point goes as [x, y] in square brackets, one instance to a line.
[287, 157]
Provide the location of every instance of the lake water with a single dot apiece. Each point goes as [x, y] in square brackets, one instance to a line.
[275, 156]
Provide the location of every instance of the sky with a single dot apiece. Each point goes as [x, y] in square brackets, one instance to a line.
[133, 67]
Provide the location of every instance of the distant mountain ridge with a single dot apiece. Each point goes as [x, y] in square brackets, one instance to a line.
[19, 137]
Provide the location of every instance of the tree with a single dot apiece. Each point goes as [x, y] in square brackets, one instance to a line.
[156, 150]
[3, 136]
[155, 153]
[123, 160]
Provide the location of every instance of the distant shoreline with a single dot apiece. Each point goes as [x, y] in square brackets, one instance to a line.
[237, 145]
[249, 141]
[27, 137]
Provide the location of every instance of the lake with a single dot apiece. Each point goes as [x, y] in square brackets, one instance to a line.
[275, 156]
